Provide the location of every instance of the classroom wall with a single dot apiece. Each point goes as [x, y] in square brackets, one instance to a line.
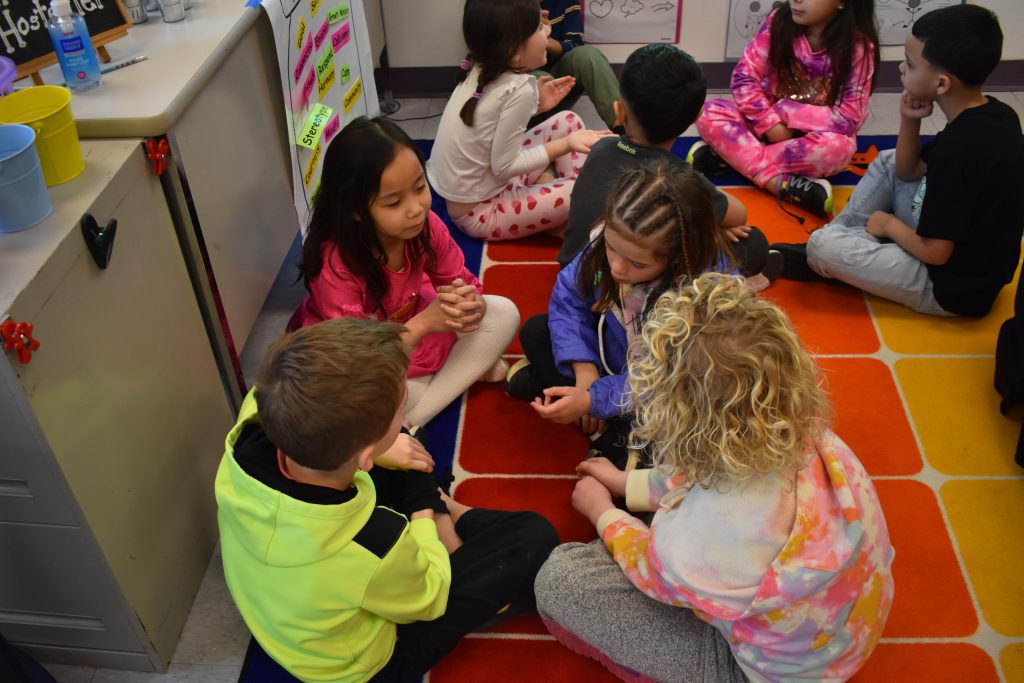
[424, 34]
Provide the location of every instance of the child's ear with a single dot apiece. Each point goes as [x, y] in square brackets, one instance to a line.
[620, 113]
[364, 458]
[943, 84]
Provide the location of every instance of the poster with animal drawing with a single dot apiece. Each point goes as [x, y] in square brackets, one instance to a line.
[632, 21]
[745, 17]
[895, 17]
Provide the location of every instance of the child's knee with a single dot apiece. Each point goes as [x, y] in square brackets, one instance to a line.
[502, 313]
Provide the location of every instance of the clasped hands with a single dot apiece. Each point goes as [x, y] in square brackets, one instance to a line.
[458, 307]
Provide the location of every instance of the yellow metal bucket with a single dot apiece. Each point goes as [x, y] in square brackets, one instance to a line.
[47, 109]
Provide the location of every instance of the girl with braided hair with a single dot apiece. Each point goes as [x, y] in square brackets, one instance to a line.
[493, 172]
[658, 232]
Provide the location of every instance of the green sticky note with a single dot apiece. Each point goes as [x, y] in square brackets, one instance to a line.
[346, 73]
[325, 66]
[318, 118]
[338, 13]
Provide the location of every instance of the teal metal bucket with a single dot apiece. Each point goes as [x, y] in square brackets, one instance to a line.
[24, 200]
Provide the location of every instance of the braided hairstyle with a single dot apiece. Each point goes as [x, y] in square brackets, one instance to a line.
[493, 30]
[669, 203]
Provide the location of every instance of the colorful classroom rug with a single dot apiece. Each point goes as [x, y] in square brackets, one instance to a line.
[912, 396]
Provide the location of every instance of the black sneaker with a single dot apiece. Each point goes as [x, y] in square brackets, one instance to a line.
[794, 262]
[705, 160]
[813, 194]
[520, 383]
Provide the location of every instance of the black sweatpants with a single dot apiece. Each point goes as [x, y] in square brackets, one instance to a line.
[496, 565]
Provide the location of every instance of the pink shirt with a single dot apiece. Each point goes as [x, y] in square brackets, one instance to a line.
[337, 292]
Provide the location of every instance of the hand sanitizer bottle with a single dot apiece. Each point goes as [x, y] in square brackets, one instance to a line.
[74, 48]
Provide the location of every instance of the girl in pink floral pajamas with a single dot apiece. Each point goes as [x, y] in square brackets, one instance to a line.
[493, 173]
[800, 94]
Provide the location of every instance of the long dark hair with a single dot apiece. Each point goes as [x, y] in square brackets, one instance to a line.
[349, 183]
[661, 200]
[493, 31]
[851, 26]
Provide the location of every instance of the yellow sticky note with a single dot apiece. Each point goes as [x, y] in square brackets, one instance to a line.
[300, 33]
[325, 65]
[346, 73]
[338, 13]
[314, 5]
[326, 83]
[314, 159]
[352, 96]
[318, 118]
[316, 186]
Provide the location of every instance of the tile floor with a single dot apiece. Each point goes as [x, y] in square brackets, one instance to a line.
[214, 639]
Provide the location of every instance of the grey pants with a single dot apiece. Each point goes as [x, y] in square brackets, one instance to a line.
[584, 591]
[844, 250]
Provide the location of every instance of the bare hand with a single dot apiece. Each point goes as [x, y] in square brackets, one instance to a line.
[552, 91]
[592, 425]
[737, 232]
[406, 454]
[563, 404]
[591, 499]
[913, 108]
[778, 133]
[583, 140]
[462, 304]
[610, 476]
[877, 224]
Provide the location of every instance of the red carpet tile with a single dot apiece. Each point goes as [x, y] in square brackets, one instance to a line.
[528, 286]
[536, 248]
[828, 318]
[764, 212]
[476, 659]
[931, 662]
[502, 435]
[931, 597]
[868, 415]
[549, 497]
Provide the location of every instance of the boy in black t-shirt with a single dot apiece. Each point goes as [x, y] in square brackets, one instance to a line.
[936, 227]
[663, 90]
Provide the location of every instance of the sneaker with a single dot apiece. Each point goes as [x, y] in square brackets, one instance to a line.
[706, 160]
[519, 382]
[812, 194]
[794, 262]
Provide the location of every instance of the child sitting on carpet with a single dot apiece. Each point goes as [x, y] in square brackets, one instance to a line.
[768, 557]
[490, 169]
[935, 227]
[658, 229]
[336, 565]
[800, 94]
[374, 249]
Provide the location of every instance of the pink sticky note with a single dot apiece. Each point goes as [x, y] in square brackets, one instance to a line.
[309, 84]
[321, 34]
[332, 128]
[307, 51]
[340, 37]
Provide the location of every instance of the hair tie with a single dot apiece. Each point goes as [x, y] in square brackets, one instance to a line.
[477, 95]
[464, 65]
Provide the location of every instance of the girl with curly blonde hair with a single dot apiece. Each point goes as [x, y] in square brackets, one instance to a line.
[768, 556]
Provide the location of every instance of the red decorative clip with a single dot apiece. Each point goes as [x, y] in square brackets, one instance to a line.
[156, 150]
[18, 337]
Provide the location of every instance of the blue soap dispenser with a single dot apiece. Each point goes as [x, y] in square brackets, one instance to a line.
[73, 46]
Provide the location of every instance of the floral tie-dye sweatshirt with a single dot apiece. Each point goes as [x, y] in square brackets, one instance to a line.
[795, 573]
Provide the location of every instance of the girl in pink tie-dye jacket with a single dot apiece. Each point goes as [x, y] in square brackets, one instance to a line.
[766, 526]
[800, 94]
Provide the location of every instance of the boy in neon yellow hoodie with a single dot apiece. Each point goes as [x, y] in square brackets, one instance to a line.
[336, 566]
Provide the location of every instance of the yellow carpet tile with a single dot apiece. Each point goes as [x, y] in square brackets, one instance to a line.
[987, 516]
[905, 331]
[956, 413]
[1012, 661]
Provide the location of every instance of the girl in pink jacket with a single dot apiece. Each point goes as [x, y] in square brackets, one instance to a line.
[374, 249]
[800, 94]
[768, 556]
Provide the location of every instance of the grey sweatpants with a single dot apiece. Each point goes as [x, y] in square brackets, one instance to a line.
[583, 590]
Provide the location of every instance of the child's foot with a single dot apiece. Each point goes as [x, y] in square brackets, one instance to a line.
[496, 372]
[794, 263]
[706, 160]
[812, 194]
[545, 177]
[519, 382]
[772, 269]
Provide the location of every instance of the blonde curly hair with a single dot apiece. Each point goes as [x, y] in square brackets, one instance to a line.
[722, 388]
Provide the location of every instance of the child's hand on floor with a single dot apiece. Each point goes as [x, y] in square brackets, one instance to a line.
[406, 454]
[610, 476]
[563, 404]
[551, 91]
[591, 499]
